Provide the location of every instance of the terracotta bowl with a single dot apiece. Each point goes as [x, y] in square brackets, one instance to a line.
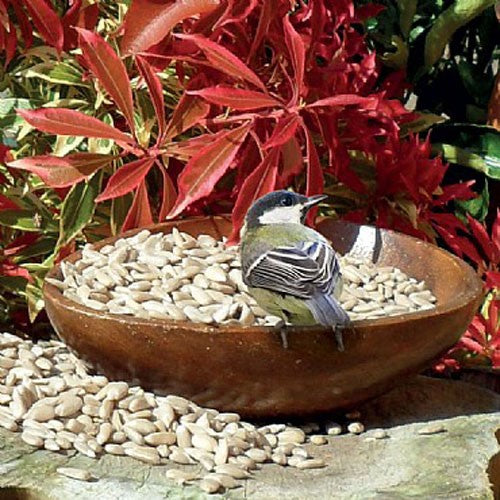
[246, 369]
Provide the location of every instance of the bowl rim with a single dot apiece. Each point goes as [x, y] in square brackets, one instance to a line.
[473, 293]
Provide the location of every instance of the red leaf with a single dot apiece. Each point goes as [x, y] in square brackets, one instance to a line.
[236, 98]
[283, 131]
[459, 245]
[260, 182]
[139, 214]
[24, 25]
[110, 71]
[459, 191]
[7, 203]
[156, 91]
[343, 100]
[495, 236]
[266, 15]
[479, 232]
[10, 44]
[223, 60]
[59, 172]
[205, 168]
[8, 269]
[126, 178]
[297, 51]
[47, 22]
[188, 112]
[493, 279]
[169, 194]
[64, 121]
[315, 179]
[293, 162]
[314, 175]
[148, 21]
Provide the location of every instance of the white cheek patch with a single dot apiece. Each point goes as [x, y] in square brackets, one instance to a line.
[281, 215]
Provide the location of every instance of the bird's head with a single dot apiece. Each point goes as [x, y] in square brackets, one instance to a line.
[281, 207]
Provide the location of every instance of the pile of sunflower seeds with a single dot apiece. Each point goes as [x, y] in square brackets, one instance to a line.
[178, 277]
[48, 396]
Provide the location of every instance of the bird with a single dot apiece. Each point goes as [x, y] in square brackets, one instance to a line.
[290, 269]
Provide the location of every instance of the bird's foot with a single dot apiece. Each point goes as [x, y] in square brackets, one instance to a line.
[337, 330]
[280, 327]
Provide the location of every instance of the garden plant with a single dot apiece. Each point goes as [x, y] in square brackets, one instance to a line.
[115, 115]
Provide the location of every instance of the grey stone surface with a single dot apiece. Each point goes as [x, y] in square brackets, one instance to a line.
[456, 464]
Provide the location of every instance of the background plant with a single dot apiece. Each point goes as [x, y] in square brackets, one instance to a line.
[203, 106]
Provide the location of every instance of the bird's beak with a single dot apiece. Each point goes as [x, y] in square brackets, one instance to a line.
[314, 200]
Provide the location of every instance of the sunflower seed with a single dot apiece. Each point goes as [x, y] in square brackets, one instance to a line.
[74, 473]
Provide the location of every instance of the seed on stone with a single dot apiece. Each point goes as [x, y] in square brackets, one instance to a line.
[41, 413]
[433, 428]
[74, 473]
[333, 429]
[379, 434]
[210, 485]
[355, 428]
[143, 453]
[180, 476]
[292, 435]
[311, 463]
[318, 440]
[232, 470]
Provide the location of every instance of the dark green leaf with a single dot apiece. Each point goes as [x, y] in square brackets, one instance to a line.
[62, 73]
[41, 247]
[119, 209]
[454, 17]
[13, 284]
[8, 106]
[34, 298]
[477, 207]
[407, 9]
[25, 220]
[475, 146]
[78, 208]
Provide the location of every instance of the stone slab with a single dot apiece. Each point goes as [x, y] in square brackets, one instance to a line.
[456, 464]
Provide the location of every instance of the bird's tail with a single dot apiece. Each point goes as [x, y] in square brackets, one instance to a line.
[327, 311]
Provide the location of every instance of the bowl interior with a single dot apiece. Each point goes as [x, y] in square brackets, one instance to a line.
[452, 281]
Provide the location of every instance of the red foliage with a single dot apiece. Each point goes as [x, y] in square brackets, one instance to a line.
[279, 98]
[54, 30]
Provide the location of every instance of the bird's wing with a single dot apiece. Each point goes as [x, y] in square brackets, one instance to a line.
[303, 270]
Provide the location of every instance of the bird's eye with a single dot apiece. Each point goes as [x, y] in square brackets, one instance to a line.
[287, 201]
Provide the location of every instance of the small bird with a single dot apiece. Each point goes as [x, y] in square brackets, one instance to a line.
[290, 269]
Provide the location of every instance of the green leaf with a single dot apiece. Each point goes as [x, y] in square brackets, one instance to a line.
[78, 208]
[421, 123]
[34, 298]
[474, 146]
[41, 247]
[407, 10]
[13, 284]
[60, 73]
[454, 17]
[119, 209]
[477, 207]
[65, 144]
[8, 106]
[25, 220]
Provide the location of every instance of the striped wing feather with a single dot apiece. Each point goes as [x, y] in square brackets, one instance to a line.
[303, 271]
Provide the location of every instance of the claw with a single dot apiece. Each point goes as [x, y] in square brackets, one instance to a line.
[337, 330]
[281, 328]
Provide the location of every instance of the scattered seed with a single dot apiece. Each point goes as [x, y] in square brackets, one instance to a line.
[434, 428]
[356, 428]
[74, 473]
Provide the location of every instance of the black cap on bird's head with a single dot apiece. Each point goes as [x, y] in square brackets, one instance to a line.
[281, 207]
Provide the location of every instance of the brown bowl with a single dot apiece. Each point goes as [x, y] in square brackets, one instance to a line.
[246, 369]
